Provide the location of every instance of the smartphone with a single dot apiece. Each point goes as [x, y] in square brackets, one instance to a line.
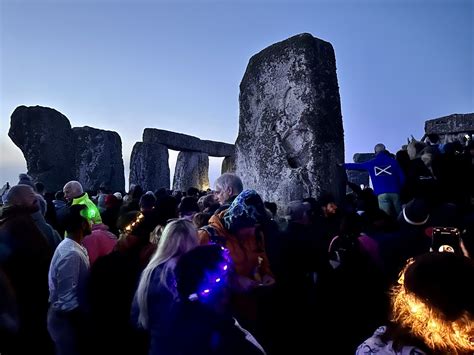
[446, 239]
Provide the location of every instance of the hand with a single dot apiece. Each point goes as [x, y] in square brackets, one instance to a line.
[246, 284]
[267, 280]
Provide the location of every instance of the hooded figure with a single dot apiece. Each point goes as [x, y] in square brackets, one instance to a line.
[238, 230]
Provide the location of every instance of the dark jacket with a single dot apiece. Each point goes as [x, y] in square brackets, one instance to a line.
[25, 257]
[196, 330]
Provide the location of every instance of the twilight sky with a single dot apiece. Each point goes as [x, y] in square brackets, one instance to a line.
[177, 65]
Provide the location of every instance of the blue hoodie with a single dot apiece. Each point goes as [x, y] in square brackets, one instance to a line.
[384, 171]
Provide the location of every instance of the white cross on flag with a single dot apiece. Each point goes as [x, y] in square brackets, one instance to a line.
[379, 170]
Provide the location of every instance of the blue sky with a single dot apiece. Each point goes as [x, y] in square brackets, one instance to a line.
[128, 65]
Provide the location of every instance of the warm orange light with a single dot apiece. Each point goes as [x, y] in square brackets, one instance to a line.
[452, 337]
[137, 221]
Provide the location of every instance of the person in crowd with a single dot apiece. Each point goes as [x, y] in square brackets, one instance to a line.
[40, 188]
[188, 207]
[68, 277]
[204, 278]
[25, 179]
[298, 271]
[59, 200]
[111, 213]
[157, 290]
[272, 207]
[24, 258]
[61, 209]
[432, 309]
[131, 201]
[74, 193]
[147, 208]
[52, 236]
[113, 281]
[228, 186]
[201, 219]
[326, 218]
[208, 203]
[50, 213]
[166, 208]
[100, 242]
[99, 199]
[238, 228]
[357, 267]
[387, 178]
[9, 321]
[193, 192]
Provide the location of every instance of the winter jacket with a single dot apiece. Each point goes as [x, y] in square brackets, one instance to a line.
[245, 252]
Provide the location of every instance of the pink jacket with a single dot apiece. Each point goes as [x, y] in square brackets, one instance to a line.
[101, 242]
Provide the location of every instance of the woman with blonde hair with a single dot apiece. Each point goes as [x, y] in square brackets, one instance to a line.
[432, 309]
[156, 290]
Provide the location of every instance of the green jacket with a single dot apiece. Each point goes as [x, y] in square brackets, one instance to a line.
[92, 213]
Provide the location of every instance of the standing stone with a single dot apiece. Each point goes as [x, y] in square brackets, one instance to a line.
[45, 137]
[360, 177]
[149, 166]
[228, 165]
[452, 128]
[98, 159]
[290, 131]
[191, 171]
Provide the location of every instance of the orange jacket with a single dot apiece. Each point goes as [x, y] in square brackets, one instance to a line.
[248, 255]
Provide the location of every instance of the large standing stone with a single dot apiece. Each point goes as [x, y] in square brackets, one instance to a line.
[98, 159]
[45, 137]
[290, 132]
[191, 171]
[228, 165]
[55, 153]
[149, 166]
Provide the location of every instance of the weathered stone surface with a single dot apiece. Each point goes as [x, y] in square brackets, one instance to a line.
[356, 176]
[228, 165]
[98, 159]
[55, 153]
[451, 128]
[191, 171]
[290, 132]
[186, 143]
[45, 137]
[149, 166]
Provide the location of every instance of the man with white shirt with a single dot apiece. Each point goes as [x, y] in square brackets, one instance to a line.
[67, 280]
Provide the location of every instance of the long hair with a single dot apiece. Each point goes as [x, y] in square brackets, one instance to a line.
[178, 237]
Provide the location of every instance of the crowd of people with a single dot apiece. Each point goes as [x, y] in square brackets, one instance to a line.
[387, 270]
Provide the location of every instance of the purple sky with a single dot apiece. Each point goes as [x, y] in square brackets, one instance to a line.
[124, 66]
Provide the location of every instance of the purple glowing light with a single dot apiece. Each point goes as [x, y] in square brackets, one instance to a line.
[218, 279]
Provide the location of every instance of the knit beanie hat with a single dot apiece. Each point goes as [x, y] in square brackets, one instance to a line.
[246, 210]
[25, 179]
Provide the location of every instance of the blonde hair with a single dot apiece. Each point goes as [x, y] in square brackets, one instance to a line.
[441, 333]
[428, 324]
[178, 237]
